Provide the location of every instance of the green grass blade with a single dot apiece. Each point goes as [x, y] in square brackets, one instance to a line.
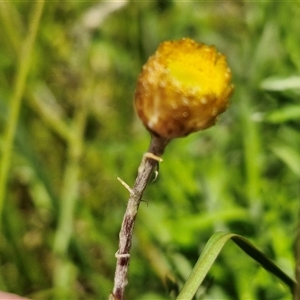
[16, 100]
[281, 84]
[289, 156]
[284, 114]
[263, 260]
[211, 252]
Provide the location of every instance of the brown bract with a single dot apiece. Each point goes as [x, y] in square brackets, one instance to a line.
[182, 88]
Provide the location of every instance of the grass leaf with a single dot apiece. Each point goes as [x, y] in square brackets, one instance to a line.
[281, 84]
[288, 113]
[210, 254]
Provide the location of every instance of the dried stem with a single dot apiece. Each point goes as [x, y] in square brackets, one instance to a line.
[145, 170]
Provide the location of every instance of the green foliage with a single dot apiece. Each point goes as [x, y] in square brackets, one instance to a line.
[77, 131]
[211, 252]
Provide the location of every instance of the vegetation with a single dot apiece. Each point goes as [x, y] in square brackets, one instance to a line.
[76, 131]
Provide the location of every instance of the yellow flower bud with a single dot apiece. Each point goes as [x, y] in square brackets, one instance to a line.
[182, 88]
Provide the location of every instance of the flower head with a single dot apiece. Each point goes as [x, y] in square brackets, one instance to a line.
[182, 88]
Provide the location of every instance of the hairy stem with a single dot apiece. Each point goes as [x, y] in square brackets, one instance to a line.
[145, 170]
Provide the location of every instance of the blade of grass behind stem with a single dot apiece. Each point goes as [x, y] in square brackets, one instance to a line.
[252, 152]
[210, 254]
[16, 99]
[8, 26]
[297, 254]
[63, 268]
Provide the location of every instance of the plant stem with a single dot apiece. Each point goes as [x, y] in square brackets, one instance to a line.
[13, 117]
[8, 26]
[38, 102]
[62, 270]
[145, 170]
[297, 258]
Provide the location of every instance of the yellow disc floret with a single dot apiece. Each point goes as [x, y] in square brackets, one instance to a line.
[182, 88]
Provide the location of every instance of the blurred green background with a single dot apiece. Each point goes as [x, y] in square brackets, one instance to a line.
[77, 131]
